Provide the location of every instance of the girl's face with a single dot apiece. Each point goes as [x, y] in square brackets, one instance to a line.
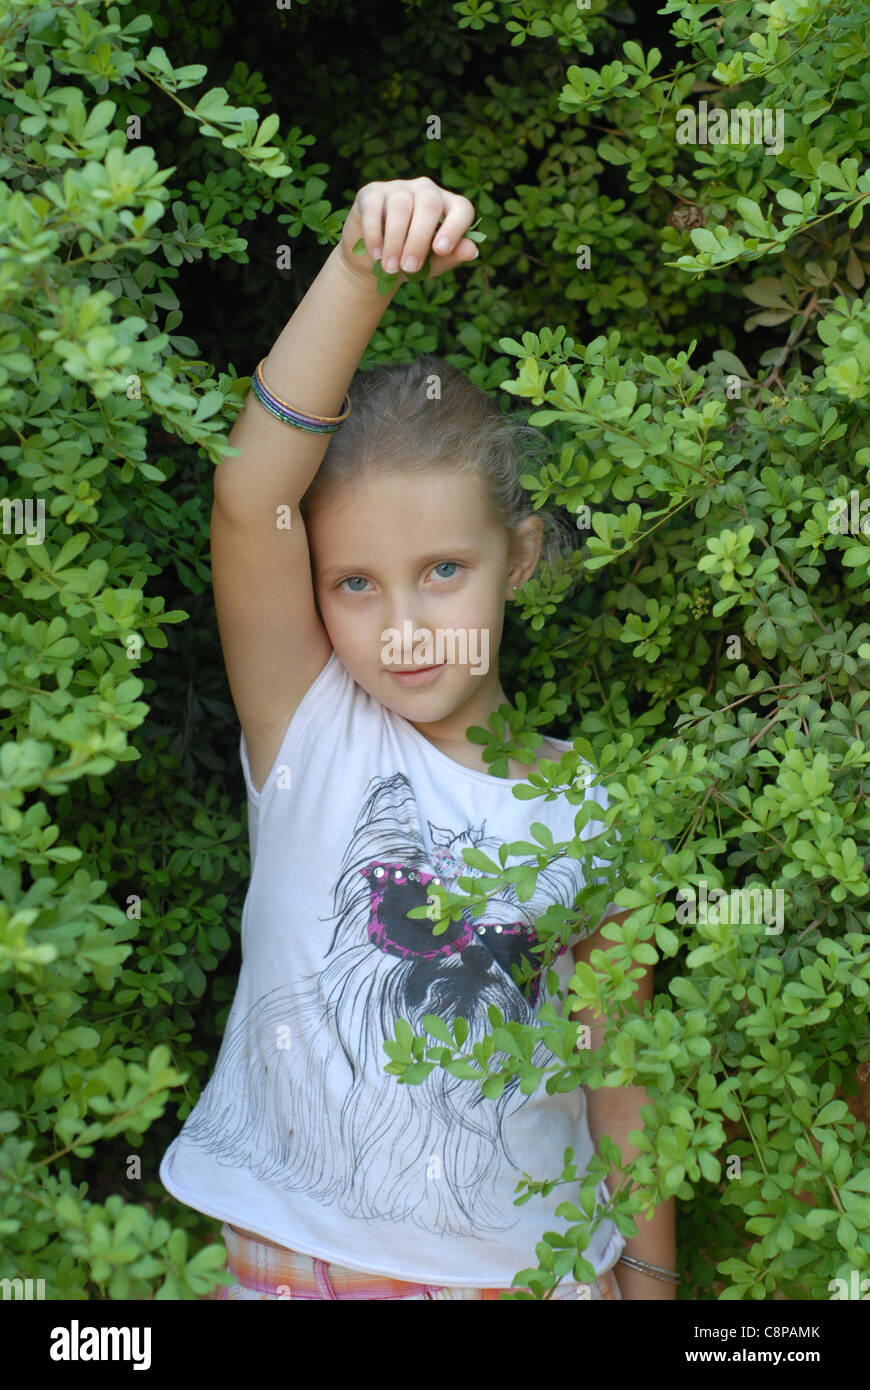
[399, 557]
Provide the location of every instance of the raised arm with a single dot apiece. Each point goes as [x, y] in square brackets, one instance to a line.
[273, 641]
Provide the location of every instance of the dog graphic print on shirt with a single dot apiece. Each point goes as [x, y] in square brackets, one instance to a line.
[425, 1154]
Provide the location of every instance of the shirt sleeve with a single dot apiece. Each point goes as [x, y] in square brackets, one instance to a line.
[311, 715]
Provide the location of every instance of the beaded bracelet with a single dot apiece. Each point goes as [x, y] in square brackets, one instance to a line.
[289, 415]
[670, 1276]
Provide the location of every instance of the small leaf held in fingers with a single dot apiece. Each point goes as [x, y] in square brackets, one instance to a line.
[387, 279]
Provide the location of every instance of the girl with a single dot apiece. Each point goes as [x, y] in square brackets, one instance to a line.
[360, 595]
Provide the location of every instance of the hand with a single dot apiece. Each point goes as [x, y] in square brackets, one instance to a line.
[400, 219]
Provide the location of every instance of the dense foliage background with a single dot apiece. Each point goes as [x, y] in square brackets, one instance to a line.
[703, 370]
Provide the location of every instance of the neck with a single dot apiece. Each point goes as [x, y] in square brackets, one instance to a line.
[450, 731]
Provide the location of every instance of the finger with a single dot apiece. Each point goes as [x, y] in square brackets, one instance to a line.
[370, 203]
[399, 210]
[429, 207]
[466, 251]
[460, 215]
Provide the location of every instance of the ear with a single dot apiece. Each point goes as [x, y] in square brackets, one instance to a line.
[525, 552]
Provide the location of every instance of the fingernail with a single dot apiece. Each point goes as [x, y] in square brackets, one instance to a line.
[409, 263]
[442, 243]
[392, 264]
[377, 253]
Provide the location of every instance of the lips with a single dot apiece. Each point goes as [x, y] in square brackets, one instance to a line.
[416, 675]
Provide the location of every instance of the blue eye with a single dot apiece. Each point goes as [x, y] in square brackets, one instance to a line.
[358, 578]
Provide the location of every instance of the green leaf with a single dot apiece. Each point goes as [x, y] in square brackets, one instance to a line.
[69, 551]
[404, 1034]
[417, 1072]
[476, 859]
[462, 1069]
[438, 1029]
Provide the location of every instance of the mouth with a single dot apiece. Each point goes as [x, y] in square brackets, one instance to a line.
[416, 675]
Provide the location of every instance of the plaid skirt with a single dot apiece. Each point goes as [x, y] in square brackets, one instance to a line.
[266, 1271]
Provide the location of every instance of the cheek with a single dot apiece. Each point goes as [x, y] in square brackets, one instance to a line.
[478, 606]
[350, 634]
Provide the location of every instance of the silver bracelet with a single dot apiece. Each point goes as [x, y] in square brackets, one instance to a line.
[670, 1276]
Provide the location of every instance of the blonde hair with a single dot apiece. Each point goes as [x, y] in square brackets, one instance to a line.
[396, 426]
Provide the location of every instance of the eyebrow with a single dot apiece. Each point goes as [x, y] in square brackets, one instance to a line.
[457, 552]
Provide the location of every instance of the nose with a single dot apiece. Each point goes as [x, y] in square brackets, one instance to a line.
[402, 637]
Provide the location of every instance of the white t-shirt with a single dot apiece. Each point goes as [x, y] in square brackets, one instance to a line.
[300, 1136]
